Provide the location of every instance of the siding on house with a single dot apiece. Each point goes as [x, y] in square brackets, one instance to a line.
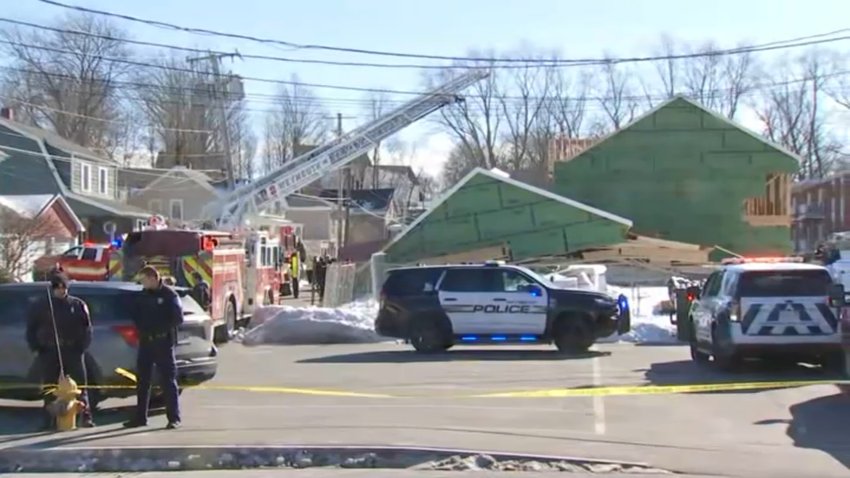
[20, 172]
[682, 173]
[175, 187]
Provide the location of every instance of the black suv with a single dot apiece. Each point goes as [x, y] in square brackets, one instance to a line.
[436, 307]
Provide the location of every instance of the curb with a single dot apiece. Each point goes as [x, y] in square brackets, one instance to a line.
[139, 459]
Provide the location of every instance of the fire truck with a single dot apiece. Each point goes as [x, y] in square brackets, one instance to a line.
[87, 262]
[242, 270]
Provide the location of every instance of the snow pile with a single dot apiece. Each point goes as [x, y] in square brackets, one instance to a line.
[646, 327]
[286, 325]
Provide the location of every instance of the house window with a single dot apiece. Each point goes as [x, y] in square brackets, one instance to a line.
[155, 206]
[85, 180]
[175, 207]
[140, 224]
[102, 180]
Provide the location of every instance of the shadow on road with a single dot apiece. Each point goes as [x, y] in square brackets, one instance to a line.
[409, 356]
[820, 423]
[686, 372]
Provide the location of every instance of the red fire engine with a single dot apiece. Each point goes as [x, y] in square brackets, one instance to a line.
[242, 271]
[88, 262]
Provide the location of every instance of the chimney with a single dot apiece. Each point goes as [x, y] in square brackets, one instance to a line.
[7, 113]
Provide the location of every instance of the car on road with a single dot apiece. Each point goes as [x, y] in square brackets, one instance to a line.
[766, 309]
[437, 307]
[114, 344]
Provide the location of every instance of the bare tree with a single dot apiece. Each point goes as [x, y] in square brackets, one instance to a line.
[719, 81]
[178, 108]
[19, 238]
[524, 110]
[67, 82]
[616, 96]
[792, 113]
[475, 123]
[377, 104]
[458, 164]
[298, 119]
[244, 141]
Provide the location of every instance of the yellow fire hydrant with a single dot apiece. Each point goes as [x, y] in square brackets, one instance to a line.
[66, 406]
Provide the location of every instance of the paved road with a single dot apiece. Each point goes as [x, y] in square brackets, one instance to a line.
[786, 432]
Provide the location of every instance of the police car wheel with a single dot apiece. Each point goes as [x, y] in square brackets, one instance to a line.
[427, 336]
[573, 334]
[725, 360]
[697, 355]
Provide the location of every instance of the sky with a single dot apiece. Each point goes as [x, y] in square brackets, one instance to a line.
[442, 27]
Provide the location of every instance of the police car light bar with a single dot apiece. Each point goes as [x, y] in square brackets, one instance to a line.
[494, 263]
[763, 260]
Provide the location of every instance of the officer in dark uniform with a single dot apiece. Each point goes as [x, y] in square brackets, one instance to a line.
[157, 315]
[201, 291]
[73, 332]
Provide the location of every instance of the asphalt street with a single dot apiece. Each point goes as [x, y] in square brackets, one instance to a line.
[289, 399]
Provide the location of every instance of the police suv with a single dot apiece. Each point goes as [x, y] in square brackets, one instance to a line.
[766, 308]
[436, 307]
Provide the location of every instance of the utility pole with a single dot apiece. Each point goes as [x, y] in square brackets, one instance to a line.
[215, 61]
[339, 216]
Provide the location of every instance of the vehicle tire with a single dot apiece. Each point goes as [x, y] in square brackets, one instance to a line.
[574, 333]
[845, 375]
[223, 333]
[725, 360]
[697, 355]
[429, 336]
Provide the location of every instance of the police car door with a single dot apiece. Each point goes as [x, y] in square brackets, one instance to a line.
[515, 304]
[704, 307]
[460, 292]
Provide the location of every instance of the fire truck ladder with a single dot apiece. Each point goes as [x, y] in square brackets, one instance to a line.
[309, 167]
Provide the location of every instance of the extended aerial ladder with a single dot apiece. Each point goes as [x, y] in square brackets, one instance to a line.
[307, 168]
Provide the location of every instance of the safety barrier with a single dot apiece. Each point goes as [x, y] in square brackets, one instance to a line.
[339, 284]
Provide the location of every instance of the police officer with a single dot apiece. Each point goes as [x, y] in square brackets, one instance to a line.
[157, 315]
[67, 342]
[201, 291]
[295, 273]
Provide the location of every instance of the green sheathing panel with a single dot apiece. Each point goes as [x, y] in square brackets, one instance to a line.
[681, 173]
[487, 210]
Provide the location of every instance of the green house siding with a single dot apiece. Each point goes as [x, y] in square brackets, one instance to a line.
[487, 211]
[681, 173]
[23, 169]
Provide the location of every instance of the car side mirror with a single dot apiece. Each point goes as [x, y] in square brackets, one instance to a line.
[837, 296]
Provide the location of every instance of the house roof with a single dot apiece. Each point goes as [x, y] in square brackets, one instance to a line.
[489, 208]
[713, 114]
[57, 141]
[30, 206]
[364, 199]
[137, 178]
[198, 177]
[304, 202]
[28, 145]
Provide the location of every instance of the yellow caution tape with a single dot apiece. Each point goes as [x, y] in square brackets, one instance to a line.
[656, 389]
[550, 393]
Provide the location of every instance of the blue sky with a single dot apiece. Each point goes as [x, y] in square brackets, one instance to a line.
[575, 29]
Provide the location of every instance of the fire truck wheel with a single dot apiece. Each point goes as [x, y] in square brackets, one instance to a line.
[224, 332]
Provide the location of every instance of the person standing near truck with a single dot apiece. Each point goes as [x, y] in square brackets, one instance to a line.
[157, 314]
[59, 330]
[295, 272]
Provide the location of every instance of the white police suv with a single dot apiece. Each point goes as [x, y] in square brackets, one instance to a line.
[436, 307]
[778, 309]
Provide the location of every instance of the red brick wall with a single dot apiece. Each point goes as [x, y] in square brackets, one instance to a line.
[832, 195]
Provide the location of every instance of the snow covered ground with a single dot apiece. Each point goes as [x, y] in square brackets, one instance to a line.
[354, 323]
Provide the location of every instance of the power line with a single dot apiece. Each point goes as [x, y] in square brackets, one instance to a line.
[526, 63]
[343, 87]
[203, 31]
